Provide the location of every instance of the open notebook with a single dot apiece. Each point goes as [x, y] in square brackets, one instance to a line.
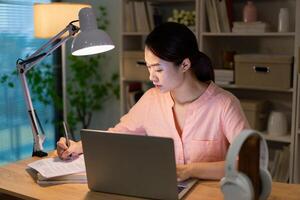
[132, 165]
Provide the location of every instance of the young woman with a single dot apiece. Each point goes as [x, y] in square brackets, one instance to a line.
[185, 105]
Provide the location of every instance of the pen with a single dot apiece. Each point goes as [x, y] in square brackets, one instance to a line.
[66, 130]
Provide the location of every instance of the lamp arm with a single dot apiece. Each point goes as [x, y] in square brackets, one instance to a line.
[23, 66]
[37, 56]
[37, 131]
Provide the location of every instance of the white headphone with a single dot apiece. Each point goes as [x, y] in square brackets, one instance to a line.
[236, 185]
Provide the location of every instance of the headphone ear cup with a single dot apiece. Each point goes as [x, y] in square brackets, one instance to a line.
[237, 188]
[266, 184]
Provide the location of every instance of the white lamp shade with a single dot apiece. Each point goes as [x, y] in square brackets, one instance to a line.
[51, 18]
[90, 40]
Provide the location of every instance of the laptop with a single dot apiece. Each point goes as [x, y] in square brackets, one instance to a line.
[141, 166]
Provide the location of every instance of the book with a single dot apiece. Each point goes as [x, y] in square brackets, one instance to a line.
[250, 27]
[280, 166]
[229, 7]
[249, 30]
[257, 24]
[283, 171]
[224, 76]
[71, 178]
[216, 15]
[141, 16]
[55, 167]
[210, 16]
[223, 16]
[274, 166]
[150, 14]
[129, 21]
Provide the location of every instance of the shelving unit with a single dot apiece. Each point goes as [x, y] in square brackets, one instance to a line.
[296, 157]
[273, 42]
[213, 44]
[283, 139]
[133, 41]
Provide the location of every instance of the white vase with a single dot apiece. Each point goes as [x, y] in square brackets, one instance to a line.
[277, 124]
[283, 20]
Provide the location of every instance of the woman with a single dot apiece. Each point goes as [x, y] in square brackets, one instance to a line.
[185, 105]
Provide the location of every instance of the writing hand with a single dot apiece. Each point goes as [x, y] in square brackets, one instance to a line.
[66, 153]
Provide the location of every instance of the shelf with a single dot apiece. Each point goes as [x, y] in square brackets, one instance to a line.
[272, 34]
[283, 139]
[233, 86]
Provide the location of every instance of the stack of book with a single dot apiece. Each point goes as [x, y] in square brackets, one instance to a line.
[71, 178]
[224, 76]
[49, 171]
[138, 16]
[279, 165]
[219, 14]
[250, 27]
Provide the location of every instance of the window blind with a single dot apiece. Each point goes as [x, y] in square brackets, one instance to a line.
[17, 41]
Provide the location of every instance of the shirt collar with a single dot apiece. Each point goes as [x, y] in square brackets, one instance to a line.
[204, 97]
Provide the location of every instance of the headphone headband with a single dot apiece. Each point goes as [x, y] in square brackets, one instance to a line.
[235, 147]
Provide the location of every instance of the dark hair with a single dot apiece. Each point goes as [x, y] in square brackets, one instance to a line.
[175, 42]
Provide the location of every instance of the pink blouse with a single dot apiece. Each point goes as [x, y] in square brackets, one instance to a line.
[212, 121]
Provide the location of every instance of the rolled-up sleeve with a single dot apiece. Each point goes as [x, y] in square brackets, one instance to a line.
[234, 119]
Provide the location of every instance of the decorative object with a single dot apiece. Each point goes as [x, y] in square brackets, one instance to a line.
[228, 59]
[265, 71]
[183, 17]
[250, 27]
[277, 124]
[89, 41]
[250, 12]
[283, 20]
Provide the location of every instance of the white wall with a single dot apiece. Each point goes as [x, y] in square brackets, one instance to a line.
[110, 115]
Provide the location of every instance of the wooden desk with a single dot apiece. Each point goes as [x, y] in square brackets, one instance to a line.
[16, 183]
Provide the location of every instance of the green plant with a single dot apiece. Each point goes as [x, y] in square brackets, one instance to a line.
[42, 83]
[87, 90]
[86, 87]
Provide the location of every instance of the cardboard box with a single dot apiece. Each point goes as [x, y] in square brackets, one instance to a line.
[134, 66]
[256, 112]
[263, 71]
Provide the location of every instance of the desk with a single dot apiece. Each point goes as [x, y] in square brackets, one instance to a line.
[16, 183]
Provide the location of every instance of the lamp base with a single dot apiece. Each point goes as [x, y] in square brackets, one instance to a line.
[39, 153]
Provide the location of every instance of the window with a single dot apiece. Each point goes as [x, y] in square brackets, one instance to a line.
[17, 41]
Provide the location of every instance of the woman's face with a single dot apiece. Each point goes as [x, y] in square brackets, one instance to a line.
[163, 74]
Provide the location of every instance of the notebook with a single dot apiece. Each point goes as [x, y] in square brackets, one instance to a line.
[132, 165]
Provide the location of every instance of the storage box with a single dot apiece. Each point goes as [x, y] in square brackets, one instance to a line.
[263, 71]
[134, 66]
[256, 112]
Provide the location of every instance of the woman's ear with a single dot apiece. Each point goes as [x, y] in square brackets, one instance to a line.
[185, 65]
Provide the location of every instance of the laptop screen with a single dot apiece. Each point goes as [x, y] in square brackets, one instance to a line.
[132, 165]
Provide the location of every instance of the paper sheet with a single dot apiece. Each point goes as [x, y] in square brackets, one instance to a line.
[52, 167]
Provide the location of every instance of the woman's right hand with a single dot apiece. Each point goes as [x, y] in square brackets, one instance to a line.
[65, 153]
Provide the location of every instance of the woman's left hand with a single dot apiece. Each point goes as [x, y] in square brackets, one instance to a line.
[183, 172]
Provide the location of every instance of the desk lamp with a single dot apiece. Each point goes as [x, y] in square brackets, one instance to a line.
[88, 41]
